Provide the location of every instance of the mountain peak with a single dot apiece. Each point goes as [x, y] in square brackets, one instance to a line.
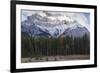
[53, 24]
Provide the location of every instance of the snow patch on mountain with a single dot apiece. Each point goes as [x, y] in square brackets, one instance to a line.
[54, 24]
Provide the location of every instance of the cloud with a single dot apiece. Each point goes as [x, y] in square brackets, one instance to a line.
[25, 13]
[81, 19]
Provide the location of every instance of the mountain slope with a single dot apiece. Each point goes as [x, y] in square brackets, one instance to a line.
[52, 25]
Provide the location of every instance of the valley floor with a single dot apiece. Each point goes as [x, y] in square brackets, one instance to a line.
[55, 58]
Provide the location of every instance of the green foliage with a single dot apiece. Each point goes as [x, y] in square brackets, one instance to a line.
[38, 47]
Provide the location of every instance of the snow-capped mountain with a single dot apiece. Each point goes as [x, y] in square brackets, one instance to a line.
[33, 30]
[77, 32]
[54, 25]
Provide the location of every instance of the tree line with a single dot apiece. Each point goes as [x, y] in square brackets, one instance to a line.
[49, 46]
